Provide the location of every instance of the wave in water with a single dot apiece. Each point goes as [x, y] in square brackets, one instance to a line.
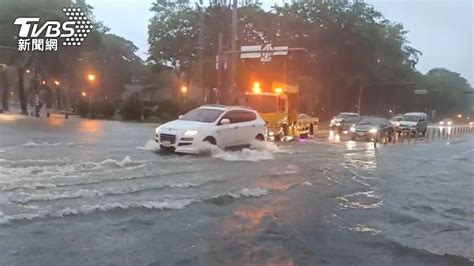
[88, 209]
[153, 205]
[31, 144]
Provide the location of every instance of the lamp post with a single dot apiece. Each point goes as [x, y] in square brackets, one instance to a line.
[58, 98]
[91, 79]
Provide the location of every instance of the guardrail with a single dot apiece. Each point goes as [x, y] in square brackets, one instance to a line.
[431, 135]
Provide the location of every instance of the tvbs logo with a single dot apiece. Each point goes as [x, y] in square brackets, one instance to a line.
[36, 36]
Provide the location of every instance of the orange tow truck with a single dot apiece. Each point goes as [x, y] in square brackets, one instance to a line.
[278, 106]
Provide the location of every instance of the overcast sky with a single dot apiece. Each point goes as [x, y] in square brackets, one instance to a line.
[441, 29]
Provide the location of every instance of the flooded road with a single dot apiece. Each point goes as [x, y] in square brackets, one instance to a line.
[91, 192]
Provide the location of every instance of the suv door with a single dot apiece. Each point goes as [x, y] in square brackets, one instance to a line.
[422, 124]
[227, 134]
[247, 130]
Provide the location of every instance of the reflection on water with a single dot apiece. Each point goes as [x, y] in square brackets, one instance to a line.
[334, 136]
[90, 126]
[256, 235]
[253, 217]
[10, 118]
[445, 130]
[361, 160]
[56, 121]
[351, 145]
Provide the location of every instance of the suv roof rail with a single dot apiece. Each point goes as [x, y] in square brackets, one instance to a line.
[215, 105]
[243, 106]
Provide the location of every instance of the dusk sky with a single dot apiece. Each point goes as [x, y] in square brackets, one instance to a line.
[441, 29]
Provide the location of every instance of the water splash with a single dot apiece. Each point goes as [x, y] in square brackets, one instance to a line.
[150, 145]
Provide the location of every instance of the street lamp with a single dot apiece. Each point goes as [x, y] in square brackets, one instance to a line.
[459, 115]
[184, 91]
[84, 94]
[58, 96]
[91, 79]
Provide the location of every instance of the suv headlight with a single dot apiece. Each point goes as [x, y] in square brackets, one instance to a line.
[157, 130]
[352, 129]
[373, 130]
[190, 133]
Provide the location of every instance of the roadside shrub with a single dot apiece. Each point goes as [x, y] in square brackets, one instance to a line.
[166, 110]
[147, 112]
[132, 108]
[95, 109]
[107, 109]
[83, 108]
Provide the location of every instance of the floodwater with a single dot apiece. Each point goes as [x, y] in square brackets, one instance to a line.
[92, 192]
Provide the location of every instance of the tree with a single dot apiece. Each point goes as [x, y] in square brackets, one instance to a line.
[446, 91]
[111, 56]
[173, 35]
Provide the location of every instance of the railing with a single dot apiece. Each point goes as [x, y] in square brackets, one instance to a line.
[431, 135]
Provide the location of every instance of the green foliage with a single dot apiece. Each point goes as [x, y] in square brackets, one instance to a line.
[173, 34]
[132, 108]
[347, 43]
[107, 109]
[99, 109]
[446, 91]
[83, 108]
[110, 57]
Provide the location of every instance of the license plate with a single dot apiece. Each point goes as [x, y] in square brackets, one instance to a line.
[166, 143]
[360, 134]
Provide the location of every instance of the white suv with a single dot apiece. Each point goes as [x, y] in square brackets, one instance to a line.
[224, 126]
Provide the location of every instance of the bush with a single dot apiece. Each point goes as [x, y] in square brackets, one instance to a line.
[147, 112]
[132, 108]
[95, 110]
[107, 109]
[83, 108]
[169, 110]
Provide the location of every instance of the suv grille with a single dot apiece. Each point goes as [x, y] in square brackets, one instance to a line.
[168, 137]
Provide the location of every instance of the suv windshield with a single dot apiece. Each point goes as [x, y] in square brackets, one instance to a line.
[344, 115]
[411, 118]
[370, 121]
[205, 115]
[262, 103]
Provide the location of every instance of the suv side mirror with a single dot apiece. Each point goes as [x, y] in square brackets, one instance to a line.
[224, 121]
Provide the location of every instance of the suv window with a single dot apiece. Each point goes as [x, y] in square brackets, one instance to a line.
[233, 116]
[239, 116]
[246, 116]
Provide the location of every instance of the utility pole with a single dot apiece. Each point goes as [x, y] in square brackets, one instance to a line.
[359, 102]
[219, 67]
[201, 51]
[233, 47]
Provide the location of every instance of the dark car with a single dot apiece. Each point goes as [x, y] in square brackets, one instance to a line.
[344, 121]
[372, 128]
